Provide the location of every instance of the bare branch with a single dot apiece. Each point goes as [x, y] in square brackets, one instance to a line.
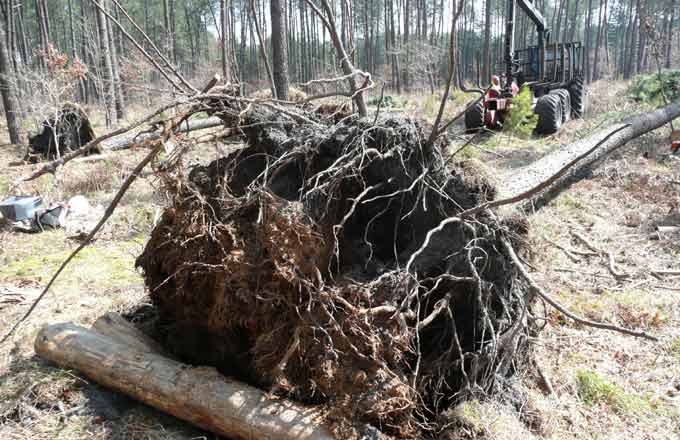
[540, 292]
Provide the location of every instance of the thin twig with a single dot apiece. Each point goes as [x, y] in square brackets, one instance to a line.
[610, 258]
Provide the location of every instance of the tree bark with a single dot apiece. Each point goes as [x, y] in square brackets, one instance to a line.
[224, 46]
[279, 52]
[130, 141]
[486, 61]
[263, 48]
[123, 361]
[535, 173]
[7, 89]
[115, 70]
[108, 78]
[669, 34]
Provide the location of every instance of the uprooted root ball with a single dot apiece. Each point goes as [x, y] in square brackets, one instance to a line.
[68, 131]
[315, 262]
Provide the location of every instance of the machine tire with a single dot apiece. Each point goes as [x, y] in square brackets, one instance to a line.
[474, 117]
[549, 111]
[565, 100]
[577, 92]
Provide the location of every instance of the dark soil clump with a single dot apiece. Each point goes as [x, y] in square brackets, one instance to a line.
[318, 261]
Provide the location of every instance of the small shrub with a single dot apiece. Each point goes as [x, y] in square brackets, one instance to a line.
[522, 120]
[647, 88]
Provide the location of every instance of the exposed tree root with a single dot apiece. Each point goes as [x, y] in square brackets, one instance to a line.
[313, 262]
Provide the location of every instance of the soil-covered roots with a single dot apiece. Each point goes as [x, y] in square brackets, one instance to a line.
[67, 131]
[327, 263]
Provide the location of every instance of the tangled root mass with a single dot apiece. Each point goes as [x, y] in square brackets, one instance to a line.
[310, 262]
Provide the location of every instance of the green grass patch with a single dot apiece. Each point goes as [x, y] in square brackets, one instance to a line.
[674, 348]
[568, 202]
[595, 389]
[107, 267]
[4, 185]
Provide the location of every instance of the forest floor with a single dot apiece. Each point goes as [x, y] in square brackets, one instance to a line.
[604, 385]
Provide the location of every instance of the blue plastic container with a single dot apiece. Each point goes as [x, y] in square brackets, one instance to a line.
[17, 208]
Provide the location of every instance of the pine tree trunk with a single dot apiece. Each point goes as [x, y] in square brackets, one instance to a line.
[589, 33]
[10, 102]
[109, 87]
[115, 70]
[279, 53]
[669, 33]
[263, 48]
[224, 46]
[486, 60]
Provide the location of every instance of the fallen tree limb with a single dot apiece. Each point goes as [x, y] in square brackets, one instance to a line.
[186, 127]
[199, 395]
[547, 298]
[589, 152]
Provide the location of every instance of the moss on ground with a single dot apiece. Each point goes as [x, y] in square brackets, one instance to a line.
[108, 266]
[594, 389]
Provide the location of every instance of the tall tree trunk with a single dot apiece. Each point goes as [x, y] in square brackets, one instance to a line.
[115, 70]
[669, 33]
[598, 41]
[640, 34]
[25, 55]
[279, 52]
[263, 48]
[109, 88]
[7, 89]
[224, 46]
[589, 33]
[486, 61]
[574, 22]
[407, 30]
[168, 30]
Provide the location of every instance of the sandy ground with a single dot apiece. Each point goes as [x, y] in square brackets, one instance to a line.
[584, 384]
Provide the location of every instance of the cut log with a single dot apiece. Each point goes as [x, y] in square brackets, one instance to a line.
[125, 142]
[534, 174]
[117, 328]
[199, 395]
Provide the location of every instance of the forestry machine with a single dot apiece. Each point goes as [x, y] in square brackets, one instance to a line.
[553, 72]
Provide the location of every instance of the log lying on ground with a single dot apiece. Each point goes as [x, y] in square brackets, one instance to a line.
[125, 360]
[125, 142]
[537, 172]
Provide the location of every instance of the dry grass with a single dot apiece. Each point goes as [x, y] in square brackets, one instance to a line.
[607, 386]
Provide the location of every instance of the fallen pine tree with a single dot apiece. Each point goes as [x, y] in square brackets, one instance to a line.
[345, 265]
[584, 154]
